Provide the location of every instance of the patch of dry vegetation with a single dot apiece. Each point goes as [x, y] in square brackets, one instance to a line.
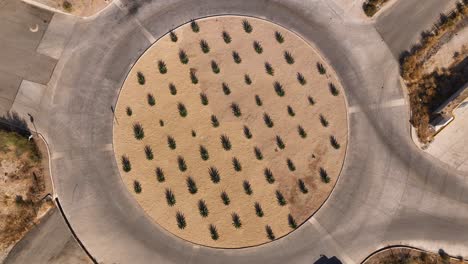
[371, 7]
[410, 256]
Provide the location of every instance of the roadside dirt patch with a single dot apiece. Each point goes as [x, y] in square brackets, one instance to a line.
[230, 105]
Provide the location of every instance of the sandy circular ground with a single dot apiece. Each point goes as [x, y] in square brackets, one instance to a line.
[265, 196]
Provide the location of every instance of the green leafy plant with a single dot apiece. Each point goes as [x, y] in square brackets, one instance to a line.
[137, 186]
[247, 27]
[257, 47]
[173, 36]
[333, 90]
[162, 67]
[247, 132]
[191, 185]
[141, 78]
[138, 131]
[171, 142]
[302, 186]
[290, 164]
[321, 69]
[258, 153]
[236, 110]
[160, 175]
[301, 131]
[258, 209]
[203, 99]
[204, 153]
[279, 142]
[149, 152]
[214, 175]
[236, 222]
[269, 69]
[334, 142]
[126, 165]
[288, 57]
[269, 232]
[323, 120]
[247, 79]
[170, 197]
[279, 37]
[324, 175]
[215, 67]
[291, 111]
[236, 57]
[291, 222]
[236, 164]
[129, 111]
[151, 100]
[202, 208]
[214, 121]
[226, 89]
[213, 232]
[193, 76]
[226, 37]
[194, 26]
[225, 142]
[182, 109]
[181, 163]
[269, 176]
[180, 218]
[247, 187]
[225, 198]
[279, 89]
[204, 46]
[172, 89]
[301, 79]
[268, 121]
[280, 198]
[258, 100]
[183, 56]
[311, 100]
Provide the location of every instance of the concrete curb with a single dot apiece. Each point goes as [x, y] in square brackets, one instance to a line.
[403, 247]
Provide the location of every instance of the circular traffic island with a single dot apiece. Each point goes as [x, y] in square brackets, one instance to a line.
[230, 131]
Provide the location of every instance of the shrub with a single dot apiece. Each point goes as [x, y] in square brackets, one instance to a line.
[137, 186]
[67, 6]
[129, 111]
[324, 175]
[269, 69]
[183, 57]
[247, 187]
[213, 232]
[138, 131]
[161, 122]
[171, 142]
[236, 57]
[323, 121]
[203, 99]
[258, 153]
[214, 174]
[214, 121]
[334, 142]
[258, 209]
[173, 36]
[226, 89]
[202, 208]
[333, 90]
[292, 223]
[170, 197]
[288, 57]
[247, 132]
[194, 26]
[126, 165]
[269, 176]
[301, 131]
[19, 200]
[204, 153]
[369, 9]
[279, 89]
[301, 79]
[191, 185]
[225, 198]
[181, 163]
[302, 186]
[180, 220]
[149, 152]
[193, 76]
[280, 198]
[279, 37]
[257, 47]
[182, 109]
[172, 89]
[269, 232]
[258, 100]
[236, 222]
[160, 175]
[236, 164]
[151, 100]
[247, 27]
[226, 37]
[215, 67]
[291, 111]
[194, 134]
[225, 142]
[311, 100]
[268, 120]
[236, 110]
[279, 142]
[162, 67]
[321, 69]
[204, 46]
[141, 78]
[291, 165]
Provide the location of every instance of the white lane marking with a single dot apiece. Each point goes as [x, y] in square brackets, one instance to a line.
[326, 236]
[388, 104]
[145, 32]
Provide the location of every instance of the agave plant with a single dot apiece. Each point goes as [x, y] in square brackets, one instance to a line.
[258, 153]
[172, 89]
[182, 109]
[193, 76]
[269, 232]
[236, 57]
[268, 120]
[126, 165]
[170, 197]
[194, 134]
[279, 37]
[247, 187]
[334, 142]
[321, 69]
[160, 175]
[225, 142]
[137, 186]
[204, 46]
[173, 36]
[181, 163]
[171, 142]
[149, 152]
[226, 89]
[311, 100]
[247, 132]
[225, 198]
[302, 186]
[333, 90]
[247, 27]
[213, 232]
[161, 122]
[183, 56]
[291, 111]
[204, 99]
[141, 78]
[301, 131]
[162, 67]
[324, 175]
[257, 47]
[214, 174]
[301, 79]
[191, 185]
[288, 57]
[269, 176]
[269, 69]
[226, 37]
[291, 222]
[180, 218]
[236, 110]
[202, 208]
[236, 222]
[290, 164]
[247, 79]
[214, 121]
[323, 120]
[129, 111]
[258, 100]
[280, 198]
[138, 131]
[280, 143]
[258, 209]
[204, 153]
[150, 99]
[236, 164]
[279, 89]
[215, 67]
[194, 26]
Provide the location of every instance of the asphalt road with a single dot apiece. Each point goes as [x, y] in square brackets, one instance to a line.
[389, 192]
